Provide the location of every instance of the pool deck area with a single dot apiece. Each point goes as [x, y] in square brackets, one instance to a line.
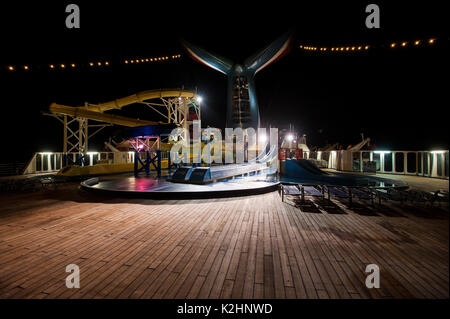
[243, 247]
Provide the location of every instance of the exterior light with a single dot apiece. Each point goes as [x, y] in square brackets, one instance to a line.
[262, 138]
[25, 67]
[146, 60]
[126, 61]
[359, 48]
[91, 63]
[301, 46]
[72, 65]
[142, 60]
[106, 63]
[290, 137]
[431, 41]
[199, 99]
[366, 47]
[392, 45]
[403, 44]
[417, 42]
[63, 66]
[11, 68]
[132, 61]
[52, 66]
[99, 63]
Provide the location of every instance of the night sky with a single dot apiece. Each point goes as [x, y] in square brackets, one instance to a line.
[396, 97]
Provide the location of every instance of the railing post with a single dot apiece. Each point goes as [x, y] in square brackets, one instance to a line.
[405, 163]
[393, 162]
[360, 161]
[417, 163]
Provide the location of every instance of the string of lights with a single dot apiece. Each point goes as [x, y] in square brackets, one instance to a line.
[365, 47]
[328, 49]
[90, 64]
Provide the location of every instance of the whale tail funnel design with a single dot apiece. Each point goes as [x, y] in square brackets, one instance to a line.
[214, 61]
[273, 52]
[242, 105]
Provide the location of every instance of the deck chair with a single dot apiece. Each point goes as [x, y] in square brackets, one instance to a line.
[437, 196]
[289, 190]
[308, 190]
[48, 182]
[338, 193]
[360, 193]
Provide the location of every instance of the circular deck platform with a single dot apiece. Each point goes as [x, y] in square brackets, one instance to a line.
[150, 187]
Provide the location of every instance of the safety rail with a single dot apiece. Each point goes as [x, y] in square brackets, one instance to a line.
[417, 163]
[50, 162]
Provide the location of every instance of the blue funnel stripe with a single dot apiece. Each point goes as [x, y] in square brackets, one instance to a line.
[270, 54]
[213, 61]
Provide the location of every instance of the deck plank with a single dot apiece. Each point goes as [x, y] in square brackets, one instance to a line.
[243, 247]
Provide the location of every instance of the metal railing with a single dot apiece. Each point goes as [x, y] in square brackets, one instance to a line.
[49, 162]
[417, 163]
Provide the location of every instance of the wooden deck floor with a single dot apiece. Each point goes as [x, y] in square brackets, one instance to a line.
[247, 247]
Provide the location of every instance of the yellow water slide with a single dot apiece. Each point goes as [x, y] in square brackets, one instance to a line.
[95, 111]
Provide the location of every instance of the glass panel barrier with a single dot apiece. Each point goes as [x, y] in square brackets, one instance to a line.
[388, 162]
[399, 162]
[411, 162]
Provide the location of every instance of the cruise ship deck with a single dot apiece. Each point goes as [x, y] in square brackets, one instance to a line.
[243, 247]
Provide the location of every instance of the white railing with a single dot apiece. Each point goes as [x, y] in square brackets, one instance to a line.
[418, 163]
[48, 162]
